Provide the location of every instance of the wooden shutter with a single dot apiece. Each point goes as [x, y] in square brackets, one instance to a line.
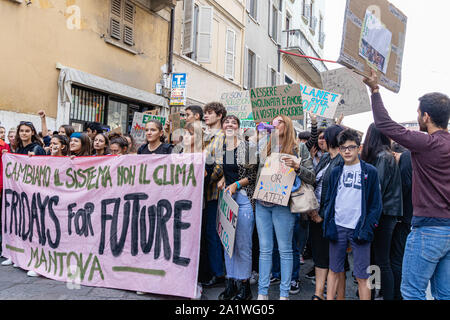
[188, 34]
[269, 76]
[230, 53]
[245, 68]
[270, 17]
[257, 71]
[116, 19]
[279, 28]
[128, 23]
[205, 34]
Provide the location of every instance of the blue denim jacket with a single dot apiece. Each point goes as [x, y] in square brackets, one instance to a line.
[371, 205]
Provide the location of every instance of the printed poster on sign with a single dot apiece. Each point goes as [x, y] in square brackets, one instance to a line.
[270, 102]
[276, 181]
[126, 222]
[320, 102]
[238, 104]
[138, 127]
[374, 39]
[178, 91]
[226, 221]
[375, 42]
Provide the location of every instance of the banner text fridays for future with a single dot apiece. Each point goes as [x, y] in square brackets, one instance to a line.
[126, 222]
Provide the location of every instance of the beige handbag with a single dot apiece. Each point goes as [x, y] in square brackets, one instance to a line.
[303, 200]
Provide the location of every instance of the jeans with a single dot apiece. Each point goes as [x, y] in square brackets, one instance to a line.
[298, 244]
[239, 266]
[381, 254]
[214, 245]
[399, 237]
[427, 258]
[282, 220]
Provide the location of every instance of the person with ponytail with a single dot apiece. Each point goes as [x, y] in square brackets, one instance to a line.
[154, 134]
[80, 145]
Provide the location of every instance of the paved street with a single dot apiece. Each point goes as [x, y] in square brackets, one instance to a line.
[16, 285]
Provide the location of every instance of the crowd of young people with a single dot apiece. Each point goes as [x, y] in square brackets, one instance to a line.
[366, 203]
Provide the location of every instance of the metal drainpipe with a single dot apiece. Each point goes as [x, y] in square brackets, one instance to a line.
[172, 24]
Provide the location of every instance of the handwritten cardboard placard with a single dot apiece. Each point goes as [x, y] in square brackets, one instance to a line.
[320, 102]
[126, 222]
[238, 104]
[139, 122]
[270, 102]
[226, 221]
[355, 98]
[276, 181]
[374, 37]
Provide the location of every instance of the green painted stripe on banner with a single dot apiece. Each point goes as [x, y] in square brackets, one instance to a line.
[153, 272]
[15, 249]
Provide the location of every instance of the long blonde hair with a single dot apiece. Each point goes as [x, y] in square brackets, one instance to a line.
[289, 143]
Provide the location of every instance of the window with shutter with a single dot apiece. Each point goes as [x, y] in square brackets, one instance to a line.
[230, 53]
[116, 18]
[245, 78]
[128, 19]
[257, 71]
[205, 34]
[122, 21]
[188, 33]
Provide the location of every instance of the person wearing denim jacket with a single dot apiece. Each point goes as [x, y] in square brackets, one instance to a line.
[271, 216]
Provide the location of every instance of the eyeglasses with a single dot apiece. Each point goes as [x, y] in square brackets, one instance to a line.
[349, 148]
[27, 123]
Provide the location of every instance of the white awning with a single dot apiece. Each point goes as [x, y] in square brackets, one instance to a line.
[68, 76]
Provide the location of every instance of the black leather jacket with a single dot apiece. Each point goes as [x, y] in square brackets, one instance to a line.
[391, 184]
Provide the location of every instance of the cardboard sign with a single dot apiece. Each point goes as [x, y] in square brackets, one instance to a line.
[138, 127]
[374, 37]
[276, 181]
[238, 104]
[226, 221]
[126, 222]
[320, 102]
[355, 98]
[270, 102]
[177, 122]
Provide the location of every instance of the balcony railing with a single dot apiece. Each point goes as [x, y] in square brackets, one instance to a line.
[296, 40]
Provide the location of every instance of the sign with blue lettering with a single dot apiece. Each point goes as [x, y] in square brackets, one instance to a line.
[320, 102]
[178, 92]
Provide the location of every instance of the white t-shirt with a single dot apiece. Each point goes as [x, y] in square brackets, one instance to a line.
[348, 199]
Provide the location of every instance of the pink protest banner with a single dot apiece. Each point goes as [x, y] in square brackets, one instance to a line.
[128, 222]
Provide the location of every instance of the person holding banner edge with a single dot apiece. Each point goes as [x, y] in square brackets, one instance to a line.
[239, 179]
[271, 216]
